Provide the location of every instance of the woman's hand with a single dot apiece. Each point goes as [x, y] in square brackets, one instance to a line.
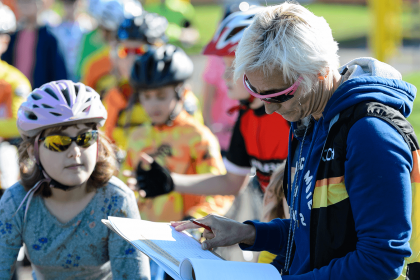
[224, 231]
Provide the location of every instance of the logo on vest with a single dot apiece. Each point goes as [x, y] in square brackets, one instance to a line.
[328, 154]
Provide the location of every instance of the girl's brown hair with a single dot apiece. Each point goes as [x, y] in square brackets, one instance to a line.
[274, 202]
[105, 167]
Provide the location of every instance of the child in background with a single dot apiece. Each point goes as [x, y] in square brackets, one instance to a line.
[134, 36]
[274, 206]
[69, 35]
[174, 139]
[93, 60]
[34, 49]
[216, 102]
[14, 88]
[66, 188]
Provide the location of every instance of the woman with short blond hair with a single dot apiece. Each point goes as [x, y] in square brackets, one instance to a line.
[353, 157]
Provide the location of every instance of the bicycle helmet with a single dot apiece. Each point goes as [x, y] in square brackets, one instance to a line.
[108, 13]
[237, 6]
[167, 65]
[148, 27]
[7, 20]
[59, 103]
[230, 32]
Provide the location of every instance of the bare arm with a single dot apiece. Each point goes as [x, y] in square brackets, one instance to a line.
[209, 184]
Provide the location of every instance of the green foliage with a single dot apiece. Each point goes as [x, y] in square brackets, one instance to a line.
[346, 21]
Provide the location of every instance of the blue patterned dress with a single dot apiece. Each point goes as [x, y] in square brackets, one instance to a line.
[82, 248]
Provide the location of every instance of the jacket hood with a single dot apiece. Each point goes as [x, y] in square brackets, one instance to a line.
[368, 79]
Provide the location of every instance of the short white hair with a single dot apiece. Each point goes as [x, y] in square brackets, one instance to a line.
[290, 38]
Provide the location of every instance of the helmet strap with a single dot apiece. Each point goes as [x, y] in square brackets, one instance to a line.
[175, 112]
[179, 91]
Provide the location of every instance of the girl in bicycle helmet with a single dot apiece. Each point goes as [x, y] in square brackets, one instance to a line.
[67, 187]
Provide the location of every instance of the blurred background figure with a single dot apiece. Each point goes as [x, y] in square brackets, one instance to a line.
[47, 15]
[180, 15]
[96, 45]
[33, 49]
[216, 103]
[69, 35]
[14, 88]
[174, 139]
[135, 36]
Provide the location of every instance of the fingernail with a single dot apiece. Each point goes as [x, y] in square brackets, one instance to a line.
[204, 246]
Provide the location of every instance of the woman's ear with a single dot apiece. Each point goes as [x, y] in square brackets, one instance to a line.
[322, 77]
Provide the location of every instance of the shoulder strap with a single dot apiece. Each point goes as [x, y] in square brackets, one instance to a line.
[375, 109]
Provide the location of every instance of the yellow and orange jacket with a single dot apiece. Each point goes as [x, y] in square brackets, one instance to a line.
[122, 120]
[14, 89]
[97, 72]
[186, 147]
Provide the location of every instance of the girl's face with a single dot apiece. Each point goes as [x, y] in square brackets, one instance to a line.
[159, 103]
[73, 166]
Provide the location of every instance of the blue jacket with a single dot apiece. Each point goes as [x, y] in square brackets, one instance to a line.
[376, 183]
[49, 63]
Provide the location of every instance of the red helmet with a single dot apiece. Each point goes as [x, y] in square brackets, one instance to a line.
[230, 32]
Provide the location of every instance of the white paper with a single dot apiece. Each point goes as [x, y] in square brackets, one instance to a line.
[177, 244]
[226, 270]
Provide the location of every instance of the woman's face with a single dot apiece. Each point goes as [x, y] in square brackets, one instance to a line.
[292, 110]
[73, 166]
[159, 103]
[236, 90]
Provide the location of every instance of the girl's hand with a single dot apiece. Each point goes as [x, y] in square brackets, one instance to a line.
[224, 231]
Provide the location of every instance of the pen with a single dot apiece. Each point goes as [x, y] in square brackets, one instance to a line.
[201, 225]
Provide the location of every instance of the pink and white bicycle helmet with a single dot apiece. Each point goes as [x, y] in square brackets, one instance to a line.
[230, 32]
[59, 103]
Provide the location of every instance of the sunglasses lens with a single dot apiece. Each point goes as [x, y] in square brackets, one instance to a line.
[139, 51]
[278, 99]
[57, 143]
[249, 88]
[87, 139]
[122, 52]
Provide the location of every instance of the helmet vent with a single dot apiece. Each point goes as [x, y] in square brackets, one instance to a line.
[66, 95]
[86, 109]
[35, 106]
[55, 114]
[235, 31]
[87, 100]
[51, 92]
[76, 89]
[46, 106]
[36, 96]
[31, 116]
